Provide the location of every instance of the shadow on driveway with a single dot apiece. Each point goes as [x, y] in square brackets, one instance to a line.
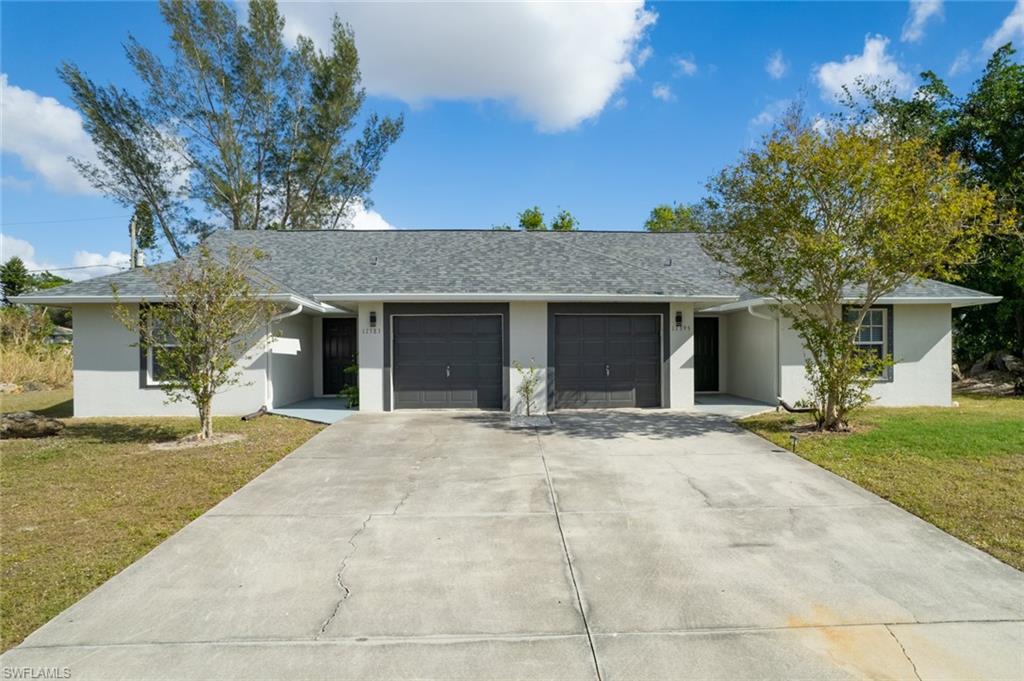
[603, 424]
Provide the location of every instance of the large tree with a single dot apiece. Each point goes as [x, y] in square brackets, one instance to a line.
[239, 129]
[986, 129]
[825, 222]
[14, 278]
[208, 316]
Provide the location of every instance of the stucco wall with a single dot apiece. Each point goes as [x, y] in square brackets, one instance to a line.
[291, 360]
[922, 349]
[370, 341]
[680, 358]
[528, 345]
[750, 356]
[106, 373]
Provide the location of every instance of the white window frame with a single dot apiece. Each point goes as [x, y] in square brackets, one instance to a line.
[883, 325]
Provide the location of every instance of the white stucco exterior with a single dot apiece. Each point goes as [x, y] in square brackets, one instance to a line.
[680, 358]
[106, 373]
[750, 355]
[760, 358]
[291, 361]
[921, 348]
[370, 341]
[528, 345]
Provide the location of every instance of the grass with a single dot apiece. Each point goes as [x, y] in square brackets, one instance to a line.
[80, 507]
[961, 469]
[35, 362]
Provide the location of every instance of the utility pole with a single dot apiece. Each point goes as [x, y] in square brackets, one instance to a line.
[133, 233]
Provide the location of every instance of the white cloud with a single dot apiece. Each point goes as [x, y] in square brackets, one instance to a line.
[1012, 28]
[776, 66]
[961, 64]
[559, 64]
[363, 218]
[643, 55]
[770, 114]
[91, 264]
[921, 12]
[42, 133]
[874, 66]
[685, 66]
[662, 92]
[100, 264]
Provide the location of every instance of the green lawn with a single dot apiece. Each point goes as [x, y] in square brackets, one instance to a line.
[961, 469]
[80, 507]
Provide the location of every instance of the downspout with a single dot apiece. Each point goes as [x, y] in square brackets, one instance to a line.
[778, 346]
[268, 389]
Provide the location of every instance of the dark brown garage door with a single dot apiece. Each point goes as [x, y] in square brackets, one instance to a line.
[607, 361]
[447, 361]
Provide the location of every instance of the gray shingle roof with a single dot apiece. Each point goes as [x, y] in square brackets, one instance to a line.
[332, 264]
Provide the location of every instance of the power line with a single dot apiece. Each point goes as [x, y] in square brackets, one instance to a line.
[52, 222]
[79, 267]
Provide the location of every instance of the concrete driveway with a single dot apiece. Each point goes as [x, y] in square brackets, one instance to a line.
[641, 545]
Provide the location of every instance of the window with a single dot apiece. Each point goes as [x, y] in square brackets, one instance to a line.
[871, 334]
[875, 334]
[155, 373]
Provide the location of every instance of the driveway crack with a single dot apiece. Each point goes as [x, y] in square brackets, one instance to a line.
[568, 558]
[339, 578]
[905, 654]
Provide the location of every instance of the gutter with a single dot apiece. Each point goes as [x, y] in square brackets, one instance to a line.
[268, 389]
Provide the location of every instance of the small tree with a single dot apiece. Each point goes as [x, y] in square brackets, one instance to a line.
[564, 222]
[815, 219]
[207, 320]
[532, 220]
[15, 279]
[529, 379]
[676, 218]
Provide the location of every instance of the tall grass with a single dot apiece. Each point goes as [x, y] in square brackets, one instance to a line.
[37, 362]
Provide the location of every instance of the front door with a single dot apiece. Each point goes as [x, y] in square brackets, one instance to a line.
[339, 352]
[705, 354]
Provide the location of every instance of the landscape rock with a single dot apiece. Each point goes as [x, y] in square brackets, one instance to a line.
[9, 388]
[30, 386]
[22, 424]
[1014, 365]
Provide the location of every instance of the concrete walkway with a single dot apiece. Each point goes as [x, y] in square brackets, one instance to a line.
[635, 545]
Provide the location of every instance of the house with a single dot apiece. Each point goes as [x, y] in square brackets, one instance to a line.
[437, 319]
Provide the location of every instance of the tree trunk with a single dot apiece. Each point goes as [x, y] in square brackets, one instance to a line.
[205, 421]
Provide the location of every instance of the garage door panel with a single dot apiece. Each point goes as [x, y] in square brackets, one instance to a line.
[447, 361]
[645, 325]
[616, 362]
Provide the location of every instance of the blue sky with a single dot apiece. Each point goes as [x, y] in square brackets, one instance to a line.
[603, 110]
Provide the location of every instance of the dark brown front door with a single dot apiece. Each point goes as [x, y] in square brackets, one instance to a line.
[705, 354]
[339, 352]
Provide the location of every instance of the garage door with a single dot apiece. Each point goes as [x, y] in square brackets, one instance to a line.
[447, 361]
[607, 361]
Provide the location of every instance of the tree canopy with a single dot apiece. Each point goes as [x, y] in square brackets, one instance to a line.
[817, 218]
[532, 220]
[239, 130]
[17, 280]
[674, 218]
[985, 129]
[210, 317]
